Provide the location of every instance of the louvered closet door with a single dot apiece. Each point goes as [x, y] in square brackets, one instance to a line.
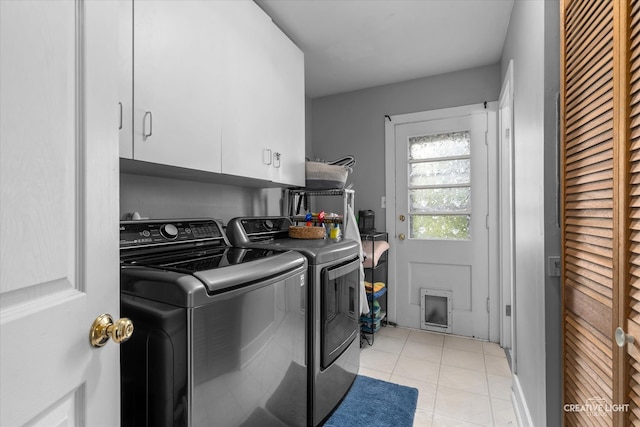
[601, 213]
[588, 213]
[632, 277]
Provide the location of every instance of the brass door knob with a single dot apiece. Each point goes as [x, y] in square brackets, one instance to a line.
[402, 218]
[104, 328]
[401, 236]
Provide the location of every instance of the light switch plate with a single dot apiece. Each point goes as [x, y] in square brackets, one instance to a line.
[554, 266]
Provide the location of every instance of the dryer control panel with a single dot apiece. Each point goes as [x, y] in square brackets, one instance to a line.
[251, 229]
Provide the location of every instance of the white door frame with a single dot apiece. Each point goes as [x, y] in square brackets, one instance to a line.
[390, 188]
[506, 214]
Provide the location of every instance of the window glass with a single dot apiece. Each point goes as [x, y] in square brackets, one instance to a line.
[439, 186]
[440, 172]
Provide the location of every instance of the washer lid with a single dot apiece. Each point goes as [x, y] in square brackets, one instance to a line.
[197, 281]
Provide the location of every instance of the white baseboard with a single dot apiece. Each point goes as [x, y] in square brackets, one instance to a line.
[520, 404]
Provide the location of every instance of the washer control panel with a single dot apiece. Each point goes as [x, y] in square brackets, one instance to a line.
[147, 233]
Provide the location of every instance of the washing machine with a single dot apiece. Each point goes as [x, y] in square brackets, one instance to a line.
[220, 332]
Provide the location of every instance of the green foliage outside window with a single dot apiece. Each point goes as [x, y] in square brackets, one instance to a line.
[437, 227]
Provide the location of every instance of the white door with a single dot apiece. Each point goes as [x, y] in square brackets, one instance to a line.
[441, 217]
[59, 266]
[506, 196]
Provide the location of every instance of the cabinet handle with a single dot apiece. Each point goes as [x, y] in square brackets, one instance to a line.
[266, 156]
[146, 135]
[276, 162]
[120, 105]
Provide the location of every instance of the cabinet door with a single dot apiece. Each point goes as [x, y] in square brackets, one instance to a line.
[288, 106]
[246, 133]
[177, 81]
[125, 77]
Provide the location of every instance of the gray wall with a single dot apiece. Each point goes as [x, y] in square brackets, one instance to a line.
[533, 43]
[353, 123]
[157, 197]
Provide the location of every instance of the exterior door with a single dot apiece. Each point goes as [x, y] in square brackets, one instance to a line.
[59, 266]
[600, 103]
[441, 217]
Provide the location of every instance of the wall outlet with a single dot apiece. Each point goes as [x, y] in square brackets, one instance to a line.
[554, 266]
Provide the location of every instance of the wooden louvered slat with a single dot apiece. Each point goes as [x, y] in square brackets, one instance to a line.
[590, 139]
[603, 89]
[601, 121]
[589, 222]
[606, 193]
[592, 109]
[593, 55]
[597, 144]
[599, 79]
[589, 370]
[593, 231]
[590, 239]
[591, 363]
[595, 282]
[577, 53]
[578, 17]
[582, 166]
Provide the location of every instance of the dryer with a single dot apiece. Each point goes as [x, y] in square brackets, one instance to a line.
[333, 297]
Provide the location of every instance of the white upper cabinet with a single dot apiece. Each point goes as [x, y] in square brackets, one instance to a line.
[287, 111]
[125, 78]
[247, 133]
[217, 87]
[177, 77]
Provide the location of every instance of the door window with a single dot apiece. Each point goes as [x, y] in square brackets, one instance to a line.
[439, 186]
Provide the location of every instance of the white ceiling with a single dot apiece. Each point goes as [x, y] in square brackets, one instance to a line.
[355, 44]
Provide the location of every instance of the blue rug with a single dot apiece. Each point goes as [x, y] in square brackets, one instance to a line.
[375, 403]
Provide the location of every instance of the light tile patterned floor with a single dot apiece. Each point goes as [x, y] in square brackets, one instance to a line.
[461, 381]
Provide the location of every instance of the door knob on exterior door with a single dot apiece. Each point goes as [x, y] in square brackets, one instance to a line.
[402, 218]
[622, 338]
[401, 236]
[104, 328]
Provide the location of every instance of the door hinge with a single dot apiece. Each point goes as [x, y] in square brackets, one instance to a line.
[486, 138]
[507, 310]
[488, 311]
[486, 221]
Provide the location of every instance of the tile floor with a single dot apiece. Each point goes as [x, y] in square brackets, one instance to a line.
[461, 381]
